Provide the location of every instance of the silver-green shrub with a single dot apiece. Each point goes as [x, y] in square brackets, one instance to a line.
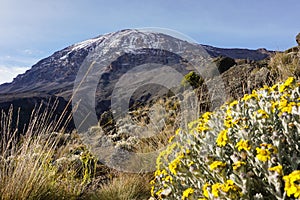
[247, 149]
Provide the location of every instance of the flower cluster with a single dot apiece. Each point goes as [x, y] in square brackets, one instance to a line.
[246, 149]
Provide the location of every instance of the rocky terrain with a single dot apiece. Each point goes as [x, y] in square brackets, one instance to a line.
[117, 53]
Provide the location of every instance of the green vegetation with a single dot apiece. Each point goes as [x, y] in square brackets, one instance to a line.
[192, 79]
[227, 153]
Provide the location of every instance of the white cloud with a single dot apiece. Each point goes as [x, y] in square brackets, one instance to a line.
[15, 63]
[8, 73]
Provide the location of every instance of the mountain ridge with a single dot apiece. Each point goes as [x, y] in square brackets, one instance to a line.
[81, 49]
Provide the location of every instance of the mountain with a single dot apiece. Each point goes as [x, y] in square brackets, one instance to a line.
[115, 54]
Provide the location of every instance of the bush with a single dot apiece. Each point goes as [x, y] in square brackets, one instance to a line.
[247, 149]
[192, 79]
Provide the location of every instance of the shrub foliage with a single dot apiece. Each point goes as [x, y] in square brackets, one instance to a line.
[246, 149]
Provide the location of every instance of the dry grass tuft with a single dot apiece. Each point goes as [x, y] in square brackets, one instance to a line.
[125, 187]
[284, 65]
[27, 163]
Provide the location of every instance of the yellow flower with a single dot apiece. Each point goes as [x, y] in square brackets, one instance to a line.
[250, 96]
[274, 105]
[160, 172]
[190, 163]
[274, 87]
[202, 128]
[173, 167]
[238, 164]
[270, 147]
[152, 191]
[263, 154]
[286, 84]
[288, 107]
[168, 179]
[228, 121]
[171, 138]
[277, 169]
[289, 81]
[177, 131]
[282, 88]
[174, 164]
[292, 183]
[204, 189]
[233, 103]
[228, 112]
[158, 193]
[265, 88]
[222, 138]
[206, 116]
[152, 182]
[187, 193]
[215, 189]
[282, 103]
[229, 185]
[263, 113]
[216, 164]
[202, 125]
[243, 145]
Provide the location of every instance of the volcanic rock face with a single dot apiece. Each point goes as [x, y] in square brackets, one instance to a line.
[54, 77]
[224, 63]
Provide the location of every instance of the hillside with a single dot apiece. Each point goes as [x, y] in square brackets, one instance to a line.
[53, 77]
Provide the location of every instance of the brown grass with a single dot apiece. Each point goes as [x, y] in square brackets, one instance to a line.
[27, 169]
[284, 65]
[124, 187]
[29, 166]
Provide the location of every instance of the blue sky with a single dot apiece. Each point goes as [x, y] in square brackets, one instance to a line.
[34, 29]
